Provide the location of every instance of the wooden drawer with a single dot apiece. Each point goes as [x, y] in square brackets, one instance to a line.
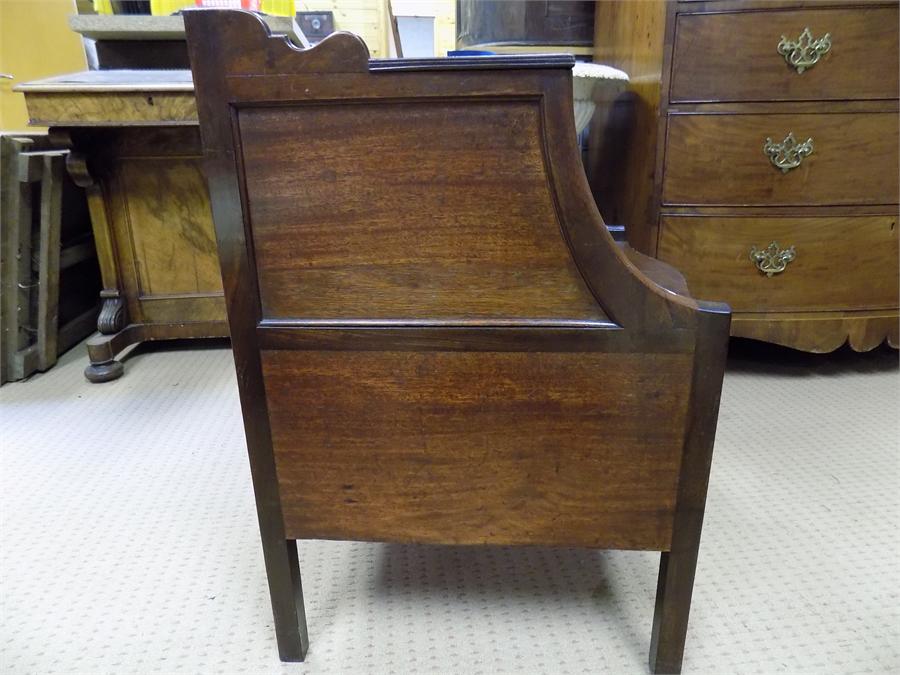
[840, 263]
[733, 56]
[719, 159]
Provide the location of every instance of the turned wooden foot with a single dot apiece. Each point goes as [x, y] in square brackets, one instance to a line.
[113, 336]
[104, 372]
[102, 351]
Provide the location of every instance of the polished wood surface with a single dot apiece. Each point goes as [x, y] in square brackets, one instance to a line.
[622, 153]
[719, 160]
[702, 168]
[864, 50]
[821, 332]
[832, 269]
[156, 235]
[330, 244]
[171, 258]
[500, 448]
[478, 361]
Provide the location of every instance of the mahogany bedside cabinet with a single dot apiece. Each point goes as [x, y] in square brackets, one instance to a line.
[436, 340]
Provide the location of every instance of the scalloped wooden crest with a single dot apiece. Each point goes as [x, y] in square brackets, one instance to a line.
[257, 51]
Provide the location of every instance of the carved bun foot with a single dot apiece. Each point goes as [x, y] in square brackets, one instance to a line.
[104, 372]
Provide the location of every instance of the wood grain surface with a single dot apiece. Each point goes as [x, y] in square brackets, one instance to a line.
[861, 64]
[354, 215]
[504, 448]
[121, 108]
[622, 157]
[821, 332]
[719, 160]
[833, 268]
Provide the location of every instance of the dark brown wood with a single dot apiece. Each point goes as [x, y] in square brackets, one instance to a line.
[348, 251]
[715, 258]
[678, 159]
[478, 448]
[435, 337]
[678, 565]
[708, 69]
[719, 160]
[206, 41]
[622, 153]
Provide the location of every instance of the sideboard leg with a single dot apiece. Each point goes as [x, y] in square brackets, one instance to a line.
[673, 605]
[102, 350]
[286, 591]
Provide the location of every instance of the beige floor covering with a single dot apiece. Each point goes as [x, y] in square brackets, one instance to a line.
[129, 541]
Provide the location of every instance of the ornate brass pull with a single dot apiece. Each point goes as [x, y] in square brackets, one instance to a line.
[772, 259]
[789, 153]
[804, 52]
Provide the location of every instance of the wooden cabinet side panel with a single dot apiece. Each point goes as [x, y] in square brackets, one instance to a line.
[479, 447]
[157, 209]
[174, 246]
[625, 131]
[354, 215]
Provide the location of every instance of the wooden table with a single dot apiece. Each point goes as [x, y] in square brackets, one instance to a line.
[135, 148]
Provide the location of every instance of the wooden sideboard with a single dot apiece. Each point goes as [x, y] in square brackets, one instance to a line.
[135, 148]
[756, 150]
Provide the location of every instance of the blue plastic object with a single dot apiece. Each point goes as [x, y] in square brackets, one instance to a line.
[469, 52]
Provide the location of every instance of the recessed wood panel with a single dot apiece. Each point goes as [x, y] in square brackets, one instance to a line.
[479, 447]
[168, 220]
[840, 263]
[733, 56]
[406, 210]
[719, 160]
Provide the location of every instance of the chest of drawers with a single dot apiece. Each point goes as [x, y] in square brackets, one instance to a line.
[757, 151]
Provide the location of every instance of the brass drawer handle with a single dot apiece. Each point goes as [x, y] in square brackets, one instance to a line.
[804, 52]
[773, 259]
[789, 153]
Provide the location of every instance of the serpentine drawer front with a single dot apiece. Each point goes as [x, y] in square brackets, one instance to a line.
[756, 60]
[828, 263]
[724, 160]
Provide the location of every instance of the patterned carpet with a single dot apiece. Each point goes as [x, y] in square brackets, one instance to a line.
[129, 541]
